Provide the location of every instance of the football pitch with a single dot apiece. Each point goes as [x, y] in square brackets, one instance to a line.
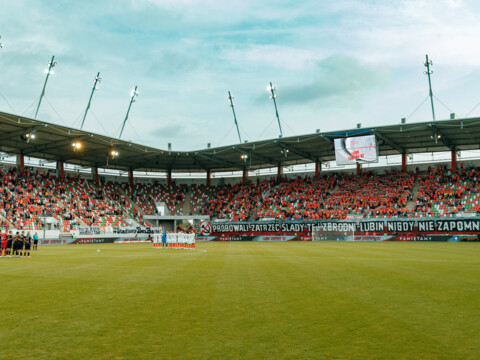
[324, 300]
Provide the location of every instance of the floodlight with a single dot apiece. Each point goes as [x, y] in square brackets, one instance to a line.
[49, 72]
[51, 65]
[133, 94]
[26, 137]
[273, 96]
[232, 105]
[428, 63]
[96, 81]
[76, 145]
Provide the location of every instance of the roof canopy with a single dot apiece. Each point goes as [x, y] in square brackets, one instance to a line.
[54, 142]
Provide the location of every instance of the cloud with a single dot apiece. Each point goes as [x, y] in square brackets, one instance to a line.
[168, 131]
[172, 63]
[186, 54]
[283, 57]
[337, 76]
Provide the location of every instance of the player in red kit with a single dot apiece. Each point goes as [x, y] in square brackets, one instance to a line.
[3, 248]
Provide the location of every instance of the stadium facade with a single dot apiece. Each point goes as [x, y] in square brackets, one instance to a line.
[96, 154]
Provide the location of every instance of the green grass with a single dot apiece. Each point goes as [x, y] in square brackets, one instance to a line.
[323, 300]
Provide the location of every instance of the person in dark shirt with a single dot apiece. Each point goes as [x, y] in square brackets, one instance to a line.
[17, 242]
[27, 245]
[20, 244]
[9, 243]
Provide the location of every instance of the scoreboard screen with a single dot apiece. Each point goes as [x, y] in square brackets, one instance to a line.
[358, 149]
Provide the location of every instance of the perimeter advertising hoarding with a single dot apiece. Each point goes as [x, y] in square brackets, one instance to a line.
[358, 149]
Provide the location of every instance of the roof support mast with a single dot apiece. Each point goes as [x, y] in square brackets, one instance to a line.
[272, 89]
[96, 81]
[51, 65]
[134, 94]
[232, 105]
[429, 63]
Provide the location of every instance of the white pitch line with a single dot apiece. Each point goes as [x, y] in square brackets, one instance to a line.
[105, 253]
[348, 258]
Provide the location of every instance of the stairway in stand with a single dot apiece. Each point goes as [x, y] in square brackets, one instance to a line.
[129, 199]
[4, 219]
[187, 205]
[62, 205]
[411, 203]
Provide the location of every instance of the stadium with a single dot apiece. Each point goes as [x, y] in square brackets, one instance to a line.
[357, 242]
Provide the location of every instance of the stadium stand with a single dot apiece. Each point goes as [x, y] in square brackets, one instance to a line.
[112, 191]
[26, 199]
[443, 193]
[232, 202]
[91, 203]
[370, 195]
[301, 198]
[330, 196]
[147, 195]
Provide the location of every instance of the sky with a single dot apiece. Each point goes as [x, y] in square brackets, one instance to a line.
[333, 63]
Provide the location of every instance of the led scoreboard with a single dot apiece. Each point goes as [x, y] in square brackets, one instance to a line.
[358, 149]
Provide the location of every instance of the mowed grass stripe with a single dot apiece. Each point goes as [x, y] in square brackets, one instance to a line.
[244, 300]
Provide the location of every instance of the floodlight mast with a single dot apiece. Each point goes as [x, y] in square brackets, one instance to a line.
[132, 100]
[51, 65]
[429, 63]
[272, 89]
[96, 81]
[232, 105]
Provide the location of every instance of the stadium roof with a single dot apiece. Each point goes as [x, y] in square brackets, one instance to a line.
[53, 142]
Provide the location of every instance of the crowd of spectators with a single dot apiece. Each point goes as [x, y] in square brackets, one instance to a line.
[90, 203]
[28, 198]
[231, 202]
[371, 195]
[443, 193]
[329, 196]
[112, 192]
[146, 196]
[298, 199]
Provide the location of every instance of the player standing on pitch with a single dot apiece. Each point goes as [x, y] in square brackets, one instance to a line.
[27, 244]
[3, 249]
[20, 244]
[164, 239]
[9, 243]
[16, 244]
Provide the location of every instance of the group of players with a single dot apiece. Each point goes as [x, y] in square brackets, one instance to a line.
[17, 245]
[172, 239]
